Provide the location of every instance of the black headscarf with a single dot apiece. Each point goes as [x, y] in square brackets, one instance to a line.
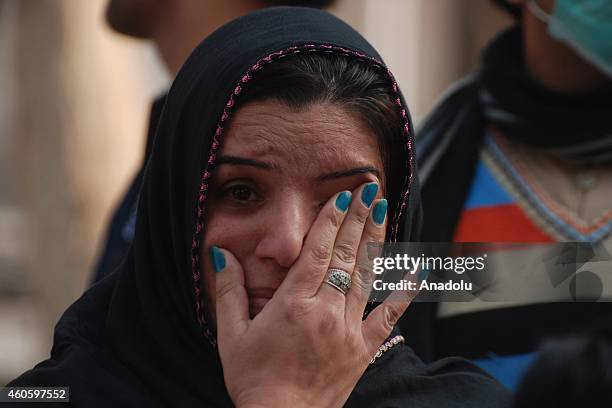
[139, 337]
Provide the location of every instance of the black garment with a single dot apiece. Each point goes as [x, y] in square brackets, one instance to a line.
[120, 232]
[501, 94]
[569, 373]
[139, 337]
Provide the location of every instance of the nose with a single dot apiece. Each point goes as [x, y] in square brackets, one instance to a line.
[284, 229]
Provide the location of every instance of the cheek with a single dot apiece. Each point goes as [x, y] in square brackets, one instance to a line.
[237, 235]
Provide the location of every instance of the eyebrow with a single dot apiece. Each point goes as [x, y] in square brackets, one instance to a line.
[348, 173]
[243, 161]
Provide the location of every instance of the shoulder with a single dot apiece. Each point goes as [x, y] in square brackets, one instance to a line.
[458, 102]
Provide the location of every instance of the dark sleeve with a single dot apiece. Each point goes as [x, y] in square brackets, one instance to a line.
[400, 379]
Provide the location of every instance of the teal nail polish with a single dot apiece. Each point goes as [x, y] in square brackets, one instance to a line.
[343, 201]
[380, 212]
[369, 193]
[217, 258]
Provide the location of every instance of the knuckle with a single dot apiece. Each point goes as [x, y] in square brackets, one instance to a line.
[335, 220]
[363, 275]
[361, 290]
[345, 253]
[360, 287]
[359, 218]
[373, 249]
[353, 340]
[224, 288]
[321, 253]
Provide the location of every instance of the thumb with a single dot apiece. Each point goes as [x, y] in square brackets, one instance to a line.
[232, 305]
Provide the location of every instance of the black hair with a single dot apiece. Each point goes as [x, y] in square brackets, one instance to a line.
[302, 3]
[572, 372]
[359, 87]
[512, 9]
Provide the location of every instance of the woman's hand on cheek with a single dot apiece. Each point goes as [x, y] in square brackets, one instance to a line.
[309, 345]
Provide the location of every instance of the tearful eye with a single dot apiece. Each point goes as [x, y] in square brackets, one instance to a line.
[241, 193]
[238, 195]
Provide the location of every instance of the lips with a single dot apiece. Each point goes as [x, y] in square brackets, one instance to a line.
[258, 298]
[256, 305]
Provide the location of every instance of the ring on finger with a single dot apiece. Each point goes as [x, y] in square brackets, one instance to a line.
[339, 280]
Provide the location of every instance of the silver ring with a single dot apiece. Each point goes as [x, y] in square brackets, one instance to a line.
[339, 279]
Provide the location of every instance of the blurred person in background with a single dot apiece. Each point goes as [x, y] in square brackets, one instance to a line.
[175, 27]
[520, 151]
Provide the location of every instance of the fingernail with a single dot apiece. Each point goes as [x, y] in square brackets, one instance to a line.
[380, 212]
[369, 193]
[217, 258]
[344, 200]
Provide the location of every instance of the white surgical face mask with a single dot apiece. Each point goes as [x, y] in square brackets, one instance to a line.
[585, 25]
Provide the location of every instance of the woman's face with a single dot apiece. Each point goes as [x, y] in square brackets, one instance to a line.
[276, 168]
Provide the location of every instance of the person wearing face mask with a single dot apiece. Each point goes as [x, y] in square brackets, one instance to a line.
[521, 151]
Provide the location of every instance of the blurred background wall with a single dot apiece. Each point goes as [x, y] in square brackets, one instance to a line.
[74, 103]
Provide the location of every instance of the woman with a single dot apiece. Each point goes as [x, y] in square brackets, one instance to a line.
[279, 137]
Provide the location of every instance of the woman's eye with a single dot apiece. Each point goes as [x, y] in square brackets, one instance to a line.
[241, 193]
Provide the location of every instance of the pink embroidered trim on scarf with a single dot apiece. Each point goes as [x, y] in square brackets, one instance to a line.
[195, 256]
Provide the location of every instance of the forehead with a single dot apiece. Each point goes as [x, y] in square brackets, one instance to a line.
[321, 136]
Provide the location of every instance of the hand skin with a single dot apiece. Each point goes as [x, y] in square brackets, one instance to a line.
[308, 346]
